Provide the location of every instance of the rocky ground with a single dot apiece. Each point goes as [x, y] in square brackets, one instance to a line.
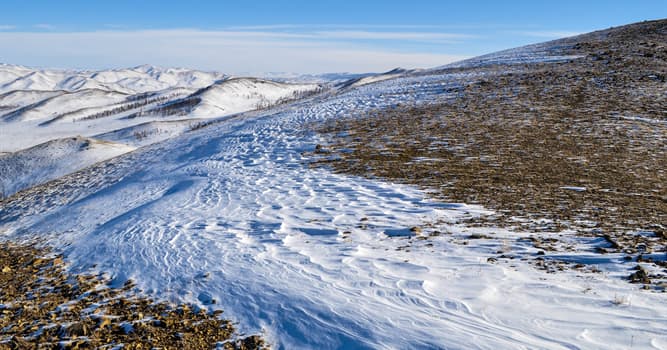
[579, 145]
[42, 306]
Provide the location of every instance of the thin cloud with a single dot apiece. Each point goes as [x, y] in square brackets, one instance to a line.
[323, 35]
[375, 35]
[358, 26]
[266, 27]
[229, 51]
[548, 34]
[115, 26]
[44, 26]
[6, 27]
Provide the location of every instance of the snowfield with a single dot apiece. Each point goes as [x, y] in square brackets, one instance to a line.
[231, 216]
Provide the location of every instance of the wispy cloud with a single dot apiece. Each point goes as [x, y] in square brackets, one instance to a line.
[6, 27]
[548, 34]
[377, 35]
[266, 32]
[112, 26]
[229, 51]
[267, 27]
[355, 26]
[44, 26]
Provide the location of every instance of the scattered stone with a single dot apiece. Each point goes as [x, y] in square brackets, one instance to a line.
[416, 230]
[479, 236]
[639, 276]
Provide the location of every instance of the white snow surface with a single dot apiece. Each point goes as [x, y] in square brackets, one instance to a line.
[150, 132]
[244, 94]
[53, 108]
[68, 101]
[233, 214]
[57, 108]
[127, 80]
[51, 160]
[535, 53]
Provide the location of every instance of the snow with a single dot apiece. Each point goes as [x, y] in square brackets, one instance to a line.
[378, 77]
[645, 120]
[69, 101]
[112, 105]
[233, 213]
[55, 158]
[132, 80]
[573, 188]
[150, 132]
[244, 94]
[547, 52]
[20, 98]
[63, 104]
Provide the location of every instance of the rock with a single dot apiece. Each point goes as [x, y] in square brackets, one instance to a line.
[78, 329]
[639, 276]
[416, 230]
[206, 298]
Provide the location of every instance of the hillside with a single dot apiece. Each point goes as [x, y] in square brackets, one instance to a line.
[515, 200]
[129, 81]
[131, 107]
[576, 145]
[51, 160]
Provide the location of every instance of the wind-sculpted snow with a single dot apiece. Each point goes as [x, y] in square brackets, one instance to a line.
[231, 216]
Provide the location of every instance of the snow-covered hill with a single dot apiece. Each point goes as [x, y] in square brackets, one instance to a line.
[227, 213]
[232, 212]
[57, 104]
[131, 80]
[243, 94]
[133, 107]
[150, 132]
[64, 102]
[51, 160]
[369, 79]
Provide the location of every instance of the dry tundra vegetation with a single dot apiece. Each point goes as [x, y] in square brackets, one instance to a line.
[44, 307]
[578, 145]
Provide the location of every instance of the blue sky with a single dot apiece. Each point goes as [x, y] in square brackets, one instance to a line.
[291, 36]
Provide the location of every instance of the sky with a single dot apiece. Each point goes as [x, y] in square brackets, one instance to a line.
[315, 36]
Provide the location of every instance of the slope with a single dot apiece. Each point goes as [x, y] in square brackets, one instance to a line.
[232, 214]
[51, 160]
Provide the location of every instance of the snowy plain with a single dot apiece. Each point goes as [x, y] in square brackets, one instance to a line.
[230, 216]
